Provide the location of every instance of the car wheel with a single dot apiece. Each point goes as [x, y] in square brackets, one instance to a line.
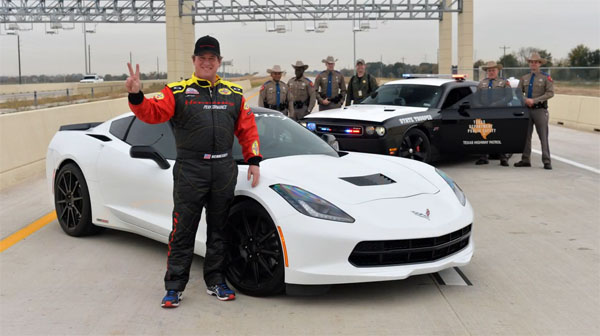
[415, 145]
[72, 202]
[255, 256]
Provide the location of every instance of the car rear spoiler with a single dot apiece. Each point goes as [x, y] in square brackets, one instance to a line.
[79, 127]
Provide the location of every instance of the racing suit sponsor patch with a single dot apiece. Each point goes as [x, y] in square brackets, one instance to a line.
[255, 150]
[159, 96]
[237, 89]
[224, 91]
[191, 91]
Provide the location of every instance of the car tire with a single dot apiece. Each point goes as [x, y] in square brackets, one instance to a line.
[415, 145]
[72, 202]
[256, 264]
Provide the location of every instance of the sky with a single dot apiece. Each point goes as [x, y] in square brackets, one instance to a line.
[554, 25]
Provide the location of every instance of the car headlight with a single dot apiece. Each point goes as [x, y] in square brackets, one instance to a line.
[370, 130]
[457, 191]
[310, 204]
[380, 130]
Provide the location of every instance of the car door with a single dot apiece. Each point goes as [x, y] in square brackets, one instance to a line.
[486, 121]
[138, 191]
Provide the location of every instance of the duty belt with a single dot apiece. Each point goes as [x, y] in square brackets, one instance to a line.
[188, 154]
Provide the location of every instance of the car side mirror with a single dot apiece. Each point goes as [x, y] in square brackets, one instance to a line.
[463, 107]
[149, 152]
[331, 141]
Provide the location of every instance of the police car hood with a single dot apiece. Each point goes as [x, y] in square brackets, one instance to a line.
[353, 178]
[373, 113]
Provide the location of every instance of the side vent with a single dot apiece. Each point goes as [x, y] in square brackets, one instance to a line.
[369, 180]
[100, 137]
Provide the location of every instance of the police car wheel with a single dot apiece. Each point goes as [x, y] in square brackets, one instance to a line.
[415, 145]
[256, 255]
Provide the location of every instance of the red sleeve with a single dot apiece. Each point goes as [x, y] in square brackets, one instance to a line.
[157, 109]
[246, 132]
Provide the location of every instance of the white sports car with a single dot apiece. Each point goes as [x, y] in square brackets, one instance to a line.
[318, 216]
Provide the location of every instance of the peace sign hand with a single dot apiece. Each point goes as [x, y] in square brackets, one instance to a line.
[133, 81]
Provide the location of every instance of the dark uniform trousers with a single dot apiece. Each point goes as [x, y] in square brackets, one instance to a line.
[539, 118]
[199, 183]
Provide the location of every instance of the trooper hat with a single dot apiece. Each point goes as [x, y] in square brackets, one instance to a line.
[207, 43]
[490, 65]
[536, 57]
[360, 60]
[299, 64]
[275, 68]
[329, 59]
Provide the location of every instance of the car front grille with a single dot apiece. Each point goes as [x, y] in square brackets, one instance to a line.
[409, 251]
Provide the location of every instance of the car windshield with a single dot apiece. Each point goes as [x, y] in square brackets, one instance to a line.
[405, 95]
[281, 136]
[89, 77]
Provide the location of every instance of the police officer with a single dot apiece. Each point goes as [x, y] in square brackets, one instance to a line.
[360, 85]
[331, 88]
[492, 81]
[303, 91]
[537, 87]
[205, 112]
[275, 94]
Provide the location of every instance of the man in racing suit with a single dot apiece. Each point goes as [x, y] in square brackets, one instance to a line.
[205, 112]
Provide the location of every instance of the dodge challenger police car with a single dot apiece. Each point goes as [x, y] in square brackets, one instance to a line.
[423, 118]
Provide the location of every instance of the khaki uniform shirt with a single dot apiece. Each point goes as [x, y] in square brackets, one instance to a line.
[268, 97]
[338, 87]
[360, 88]
[542, 86]
[303, 90]
[496, 83]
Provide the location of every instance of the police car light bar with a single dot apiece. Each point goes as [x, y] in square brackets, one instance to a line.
[458, 77]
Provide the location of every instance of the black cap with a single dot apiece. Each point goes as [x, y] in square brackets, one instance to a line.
[207, 43]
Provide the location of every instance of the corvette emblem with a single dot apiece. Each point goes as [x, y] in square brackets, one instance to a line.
[423, 215]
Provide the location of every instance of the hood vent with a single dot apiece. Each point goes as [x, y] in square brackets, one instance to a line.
[369, 180]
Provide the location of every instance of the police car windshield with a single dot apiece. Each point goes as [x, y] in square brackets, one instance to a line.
[405, 95]
[281, 136]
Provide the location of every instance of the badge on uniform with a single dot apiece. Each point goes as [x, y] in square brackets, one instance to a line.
[159, 96]
[364, 81]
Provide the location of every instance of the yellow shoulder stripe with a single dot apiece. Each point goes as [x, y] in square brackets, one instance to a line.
[234, 87]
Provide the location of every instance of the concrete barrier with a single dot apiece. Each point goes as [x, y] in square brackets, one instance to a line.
[74, 88]
[579, 112]
[24, 136]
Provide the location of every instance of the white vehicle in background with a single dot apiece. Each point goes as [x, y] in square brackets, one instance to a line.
[92, 79]
[346, 217]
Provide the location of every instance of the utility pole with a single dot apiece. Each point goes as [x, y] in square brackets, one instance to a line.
[157, 70]
[89, 59]
[504, 49]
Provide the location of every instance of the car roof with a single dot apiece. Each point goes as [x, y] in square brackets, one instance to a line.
[422, 81]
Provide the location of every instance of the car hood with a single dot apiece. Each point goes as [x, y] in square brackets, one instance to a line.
[322, 175]
[374, 113]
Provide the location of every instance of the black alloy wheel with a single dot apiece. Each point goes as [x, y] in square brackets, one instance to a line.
[415, 145]
[72, 202]
[256, 265]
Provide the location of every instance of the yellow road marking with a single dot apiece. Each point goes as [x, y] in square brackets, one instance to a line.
[253, 95]
[26, 231]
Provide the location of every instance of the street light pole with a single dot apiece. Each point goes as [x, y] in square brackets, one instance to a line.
[19, 55]
[85, 56]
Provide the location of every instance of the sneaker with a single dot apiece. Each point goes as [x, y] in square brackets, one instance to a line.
[221, 291]
[522, 164]
[171, 299]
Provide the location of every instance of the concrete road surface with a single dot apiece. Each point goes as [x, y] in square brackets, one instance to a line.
[536, 269]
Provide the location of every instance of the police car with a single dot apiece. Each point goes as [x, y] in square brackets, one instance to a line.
[424, 117]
